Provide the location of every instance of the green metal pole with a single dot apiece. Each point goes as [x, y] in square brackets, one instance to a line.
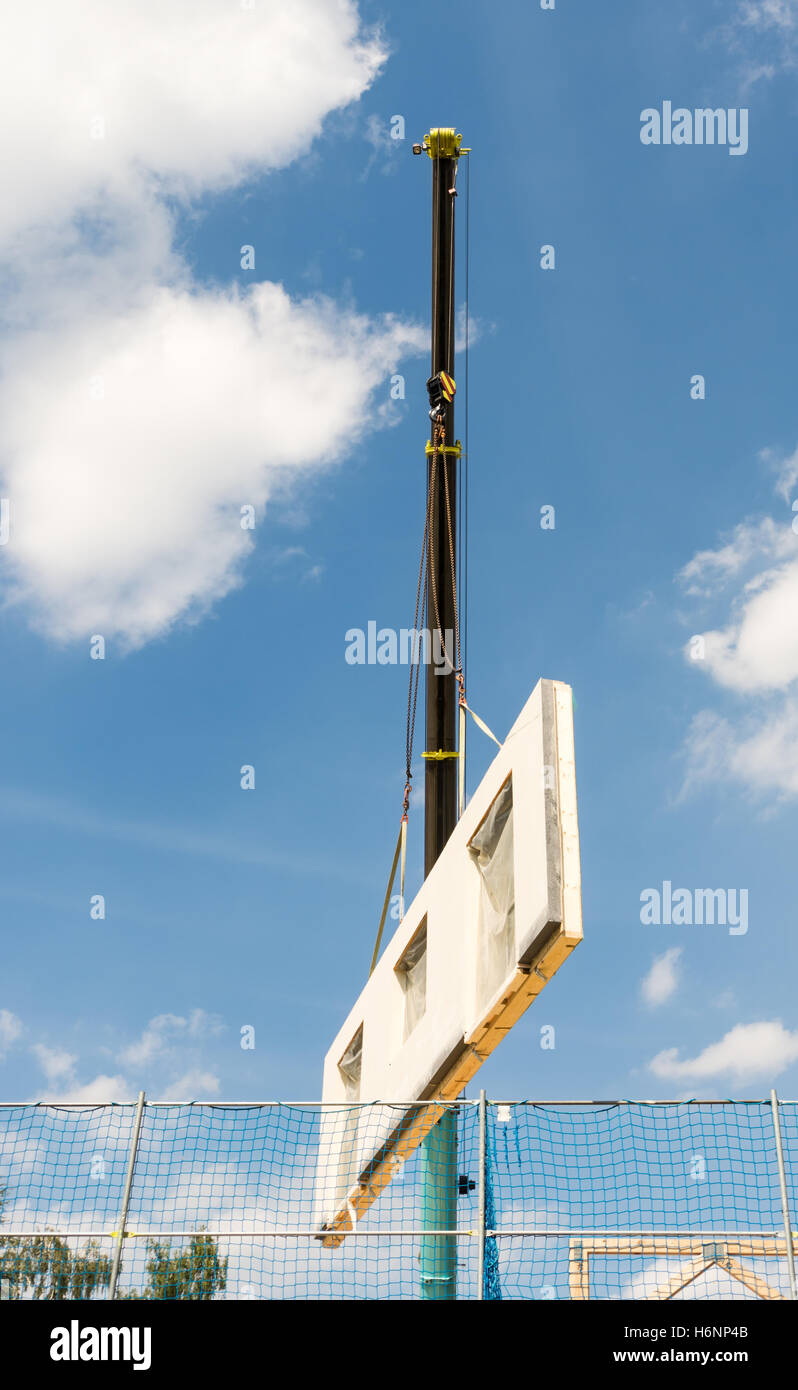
[439, 1175]
[438, 1254]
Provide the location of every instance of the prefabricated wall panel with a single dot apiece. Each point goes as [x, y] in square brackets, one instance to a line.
[460, 1026]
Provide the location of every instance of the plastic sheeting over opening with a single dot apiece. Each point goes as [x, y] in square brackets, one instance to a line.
[350, 1066]
[412, 971]
[492, 851]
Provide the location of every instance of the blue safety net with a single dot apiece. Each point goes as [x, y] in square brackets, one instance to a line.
[616, 1200]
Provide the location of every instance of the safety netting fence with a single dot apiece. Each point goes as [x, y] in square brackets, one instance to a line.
[498, 1200]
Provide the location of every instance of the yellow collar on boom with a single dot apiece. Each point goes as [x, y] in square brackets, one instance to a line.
[442, 143]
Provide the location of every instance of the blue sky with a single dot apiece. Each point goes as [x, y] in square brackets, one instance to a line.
[151, 386]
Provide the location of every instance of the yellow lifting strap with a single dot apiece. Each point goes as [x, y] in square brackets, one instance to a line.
[461, 763]
[480, 723]
[399, 852]
[461, 770]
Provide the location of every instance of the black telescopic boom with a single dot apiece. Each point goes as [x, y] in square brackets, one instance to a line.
[440, 783]
[438, 1156]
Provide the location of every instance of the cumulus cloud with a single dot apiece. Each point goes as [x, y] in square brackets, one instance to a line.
[749, 1050]
[758, 650]
[60, 1071]
[759, 750]
[709, 571]
[763, 35]
[10, 1029]
[168, 1046]
[100, 1091]
[786, 470]
[56, 1063]
[778, 15]
[142, 410]
[138, 98]
[753, 574]
[663, 978]
[126, 509]
[384, 148]
[193, 1085]
[164, 1031]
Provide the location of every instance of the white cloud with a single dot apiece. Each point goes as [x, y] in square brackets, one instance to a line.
[781, 15]
[384, 148]
[752, 542]
[97, 1092]
[663, 978]
[759, 649]
[763, 34]
[56, 1063]
[749, 1050]
[167, 1043]
[193, 1085]
[194, 95]
[203, 1025]
[126, 511]
[153, 1041]
[786, 473]
[141, 411]
[753, 652]
[10, 1029]
[163, 1031]
[758, 750]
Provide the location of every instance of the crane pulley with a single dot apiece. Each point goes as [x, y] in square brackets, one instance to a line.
[440, 389]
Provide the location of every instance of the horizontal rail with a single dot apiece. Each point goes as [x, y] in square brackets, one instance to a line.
[548, 1233]
[357, 1105]
[235, 1104]
[286, 1234]
[546, 1104]
[675, 1233]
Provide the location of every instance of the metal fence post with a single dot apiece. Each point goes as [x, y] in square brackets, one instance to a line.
[785, 1204]
[482, 1193]
[131, 1164]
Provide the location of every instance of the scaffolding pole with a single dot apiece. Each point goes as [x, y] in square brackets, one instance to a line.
[785, 1203]
[131, 1165]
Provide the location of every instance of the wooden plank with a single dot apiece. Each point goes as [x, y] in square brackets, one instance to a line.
[686, 1245]
[524, 988]
[757, 1245]
[578, 1270]
[751, 1280]
[696, 1263]
[366, 1191]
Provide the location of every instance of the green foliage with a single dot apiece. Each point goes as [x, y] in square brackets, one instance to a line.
[44, 1267]
[196, 1272]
